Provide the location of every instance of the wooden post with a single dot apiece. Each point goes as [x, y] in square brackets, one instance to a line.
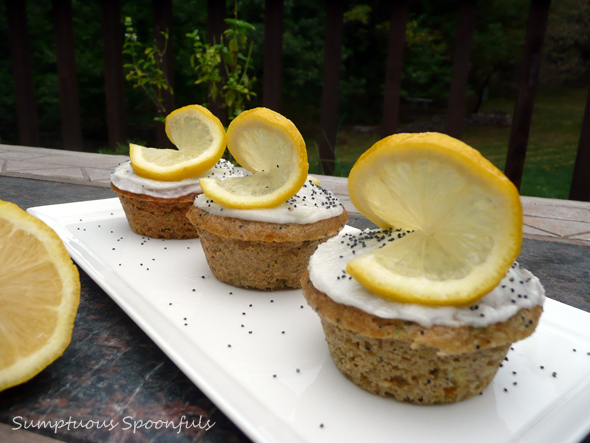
[215, 28]
[273, 54]
[67, 75]
[162, 10]
[28, 132]
[580, 189]
[112, 33]
[394, 64]
[527, 86]
[330, 85]
[461, 61]
[215, 20]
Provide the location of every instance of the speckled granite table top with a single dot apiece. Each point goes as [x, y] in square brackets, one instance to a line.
[113, 371]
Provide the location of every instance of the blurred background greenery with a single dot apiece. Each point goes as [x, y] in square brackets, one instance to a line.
[497, 50]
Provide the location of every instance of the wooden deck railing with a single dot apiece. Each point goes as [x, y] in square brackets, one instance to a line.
[393, 66]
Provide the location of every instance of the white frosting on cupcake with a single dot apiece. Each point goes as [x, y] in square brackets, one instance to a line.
[311, 204]
[125, 179]
[327, 268]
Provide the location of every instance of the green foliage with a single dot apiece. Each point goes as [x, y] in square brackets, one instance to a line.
[146, 68]
[358, 13]
[497, 49]
[224, 66]
[427, 62]
[567, 43]
[45, 82]
[120, 149]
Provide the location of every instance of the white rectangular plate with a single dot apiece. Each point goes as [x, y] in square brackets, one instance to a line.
[262, 357]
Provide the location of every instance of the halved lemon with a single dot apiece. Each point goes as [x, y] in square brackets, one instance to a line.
[199, 137]
[271, 147]
[463, 216]
[39, 296]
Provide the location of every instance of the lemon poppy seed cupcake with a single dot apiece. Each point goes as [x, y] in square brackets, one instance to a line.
[410, 352]
[425, 309]
[259, 230]
[158, 186]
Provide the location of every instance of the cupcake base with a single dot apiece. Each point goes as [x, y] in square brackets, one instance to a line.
[259, 255]
[412, 363]
[257, 264]
[157, 217]
[391, 368]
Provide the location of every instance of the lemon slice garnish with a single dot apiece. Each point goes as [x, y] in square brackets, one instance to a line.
[199, 137]
[39, 296]
[271, 147]
[462, 215]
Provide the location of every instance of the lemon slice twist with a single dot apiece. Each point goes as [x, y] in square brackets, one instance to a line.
[39, 296]
[272, 149]
[462, 215]
[199, 137]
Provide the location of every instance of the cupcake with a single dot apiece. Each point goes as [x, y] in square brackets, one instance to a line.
[258, 231]
[266, 248]
[158, 186]
[425, 308]
[157, 208]
[416, 353]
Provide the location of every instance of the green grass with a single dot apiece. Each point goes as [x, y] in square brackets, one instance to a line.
[553, 141]
[551, 152]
